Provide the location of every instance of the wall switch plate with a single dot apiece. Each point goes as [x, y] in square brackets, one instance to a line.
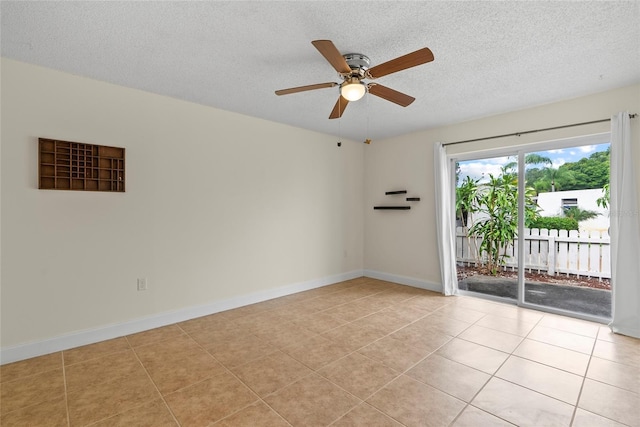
[142, 284]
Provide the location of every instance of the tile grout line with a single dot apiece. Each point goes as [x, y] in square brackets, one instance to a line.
[467, 404]
[146, 371]
[32, 405]
[428, 355]
[584, 378]
[440, 310]
[314, 371]
[377, 361]
[207, 378]
[66, 394]
[143, 367]
[374, 408]
[493, 375]
[356, 350]
[364, 402]
[427, 314]
[322, 377]
[538, 341]
[260, 399]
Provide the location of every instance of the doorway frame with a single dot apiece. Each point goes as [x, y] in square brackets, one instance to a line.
[519, 151]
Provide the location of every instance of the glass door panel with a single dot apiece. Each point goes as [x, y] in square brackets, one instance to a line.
[486, 226]
[567, 246]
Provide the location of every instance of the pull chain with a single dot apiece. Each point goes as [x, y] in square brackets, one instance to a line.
[367, 140]
[340, 122]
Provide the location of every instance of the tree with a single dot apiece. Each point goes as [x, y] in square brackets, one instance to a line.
[586, 173]
[497, 221]
[550, 179]
[589, 172]
[546, 178]
[529, 159]
[537, 159]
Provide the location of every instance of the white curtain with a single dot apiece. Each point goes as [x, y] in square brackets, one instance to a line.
[445, 220]
[625, 231]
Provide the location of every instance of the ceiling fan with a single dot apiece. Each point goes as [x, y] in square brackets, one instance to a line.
[353, 68]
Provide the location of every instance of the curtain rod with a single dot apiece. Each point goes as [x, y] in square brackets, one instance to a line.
[631, 116]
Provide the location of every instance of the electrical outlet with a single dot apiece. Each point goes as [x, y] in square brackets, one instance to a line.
[142, 284]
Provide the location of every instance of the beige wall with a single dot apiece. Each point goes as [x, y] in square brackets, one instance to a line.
[402, 243]
[218, 205]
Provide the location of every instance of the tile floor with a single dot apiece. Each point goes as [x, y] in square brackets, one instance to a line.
[358, 353]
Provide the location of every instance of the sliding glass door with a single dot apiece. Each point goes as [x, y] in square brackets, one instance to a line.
[532, 226]
[487, 226]
[566, 257]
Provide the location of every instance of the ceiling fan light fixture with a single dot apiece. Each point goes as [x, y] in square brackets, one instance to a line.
[352, 89]
[353, 68]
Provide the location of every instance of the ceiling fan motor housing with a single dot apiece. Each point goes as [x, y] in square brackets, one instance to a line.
[358, 63]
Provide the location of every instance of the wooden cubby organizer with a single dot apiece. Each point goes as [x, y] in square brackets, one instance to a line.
[65, 165]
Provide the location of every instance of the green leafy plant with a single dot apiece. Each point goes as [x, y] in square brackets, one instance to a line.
[605, 199]
[497, 219]
[579, 214]
[553, 223]
[466, 199]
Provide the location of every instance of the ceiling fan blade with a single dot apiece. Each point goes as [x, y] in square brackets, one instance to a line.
[304, 88]
[409, 60]
[390, 95]
[333, 55]
[338, 109]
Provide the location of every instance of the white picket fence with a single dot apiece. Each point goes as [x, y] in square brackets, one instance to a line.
[584, 254]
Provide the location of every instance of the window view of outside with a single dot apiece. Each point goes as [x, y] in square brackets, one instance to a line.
[566, 255]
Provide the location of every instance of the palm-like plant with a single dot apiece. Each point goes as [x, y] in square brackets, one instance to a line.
[549, 178]
[466, 199]
[529, 159]
[498, 220]
[579, 214]
[537, 159]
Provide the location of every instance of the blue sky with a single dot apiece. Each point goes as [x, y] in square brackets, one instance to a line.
[480, 169]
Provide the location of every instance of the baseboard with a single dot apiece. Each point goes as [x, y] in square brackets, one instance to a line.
[403, 280]
[630, 330]
[91, 336]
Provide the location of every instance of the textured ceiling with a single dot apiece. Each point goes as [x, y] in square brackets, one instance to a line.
[490, 57]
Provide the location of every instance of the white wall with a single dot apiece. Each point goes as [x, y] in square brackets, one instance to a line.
[401, 244]
[550, 204]
[218, 206]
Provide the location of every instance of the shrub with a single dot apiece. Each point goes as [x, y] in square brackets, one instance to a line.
[553, 223]
[579, 214]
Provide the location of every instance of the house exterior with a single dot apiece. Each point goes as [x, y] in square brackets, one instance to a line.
[554, 203]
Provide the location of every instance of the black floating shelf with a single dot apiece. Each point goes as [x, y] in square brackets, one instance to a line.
[396, 192]
[413, 199]
[394, 208]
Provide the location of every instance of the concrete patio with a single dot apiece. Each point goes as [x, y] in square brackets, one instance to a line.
[594, 302]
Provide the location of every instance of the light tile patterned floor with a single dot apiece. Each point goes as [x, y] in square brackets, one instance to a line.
[358, 353]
